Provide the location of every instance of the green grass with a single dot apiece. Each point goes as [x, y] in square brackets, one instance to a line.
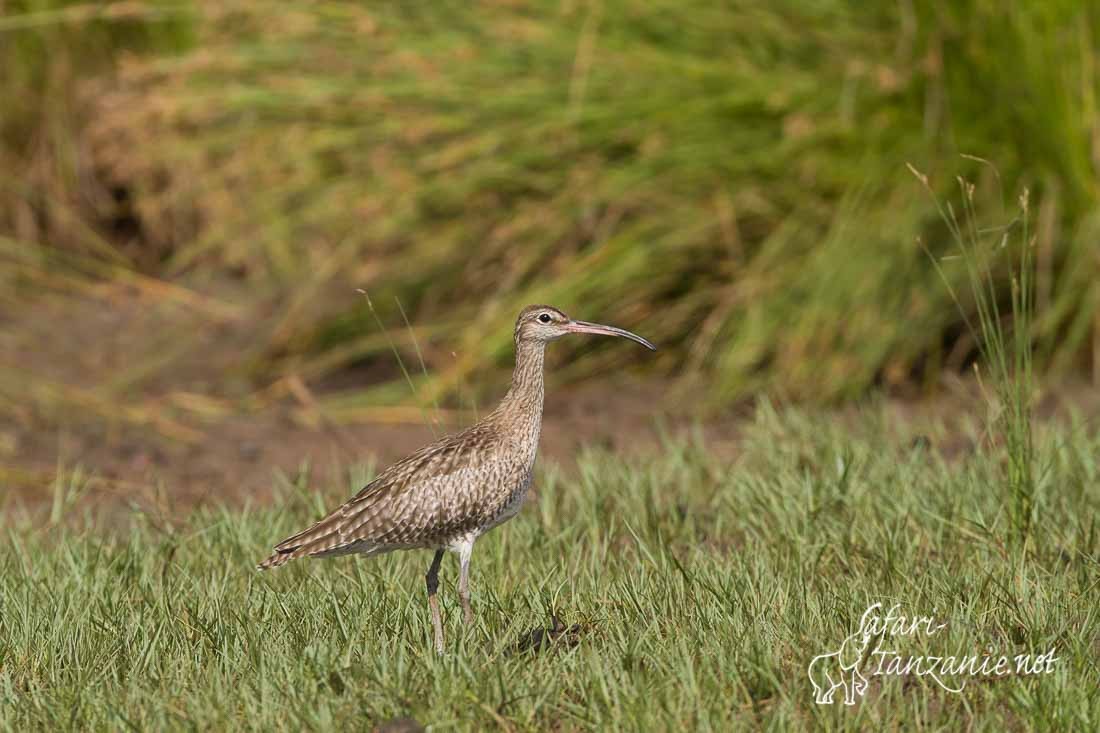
[703, 588]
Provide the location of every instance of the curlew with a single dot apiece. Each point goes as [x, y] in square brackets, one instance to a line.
[449, 493]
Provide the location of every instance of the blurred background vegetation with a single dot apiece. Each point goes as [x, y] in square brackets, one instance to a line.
[728, 179]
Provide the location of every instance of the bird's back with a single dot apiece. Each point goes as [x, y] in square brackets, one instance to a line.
[460, 484]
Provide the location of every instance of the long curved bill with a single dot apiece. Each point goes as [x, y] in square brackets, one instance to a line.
[598, 328]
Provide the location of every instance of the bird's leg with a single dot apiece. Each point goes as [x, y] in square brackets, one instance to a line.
[464, 552]
[432, 581]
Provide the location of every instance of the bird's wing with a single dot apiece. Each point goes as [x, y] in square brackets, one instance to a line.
[409, 503]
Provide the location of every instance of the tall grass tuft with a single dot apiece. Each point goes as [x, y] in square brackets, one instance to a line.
[1003, 333]
[48, 49]
[729, 175]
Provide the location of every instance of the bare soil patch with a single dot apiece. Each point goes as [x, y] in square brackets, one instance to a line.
[81, 386]
[83, 383]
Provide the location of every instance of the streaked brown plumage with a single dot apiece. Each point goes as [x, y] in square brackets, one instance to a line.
[449, 493]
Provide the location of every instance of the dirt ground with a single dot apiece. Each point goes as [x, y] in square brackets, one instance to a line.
[138, 392]
[83, 385]
[238, 458]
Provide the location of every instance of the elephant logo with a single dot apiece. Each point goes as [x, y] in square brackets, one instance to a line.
[849, 666]
[841, 669]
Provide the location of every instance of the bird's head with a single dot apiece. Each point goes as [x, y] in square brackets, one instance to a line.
[545, 323]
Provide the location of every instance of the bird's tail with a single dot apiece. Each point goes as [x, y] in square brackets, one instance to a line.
[277, 558]
[320, 537]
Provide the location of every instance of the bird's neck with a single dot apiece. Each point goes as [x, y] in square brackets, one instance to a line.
[525, 396]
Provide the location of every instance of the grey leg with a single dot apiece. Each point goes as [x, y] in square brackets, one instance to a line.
[464, 552]
[432, 580]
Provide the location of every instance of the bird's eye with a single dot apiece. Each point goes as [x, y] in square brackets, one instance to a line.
[544, 318]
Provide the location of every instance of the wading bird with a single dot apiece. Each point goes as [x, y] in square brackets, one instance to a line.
[449, 493]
